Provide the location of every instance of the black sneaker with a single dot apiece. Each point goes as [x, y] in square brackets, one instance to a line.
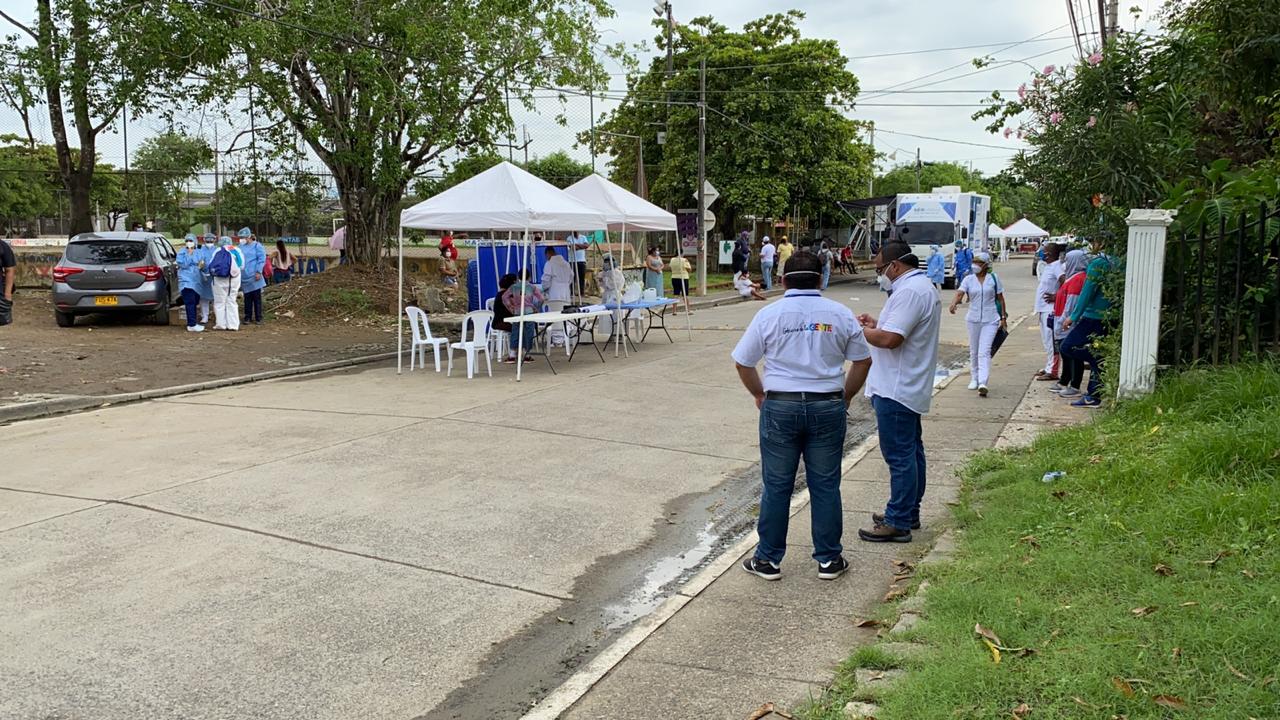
[885, 533]
[761, 568]
[878, 518]
[833, 569]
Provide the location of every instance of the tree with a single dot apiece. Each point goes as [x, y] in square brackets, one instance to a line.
[775, 136]
[902, 179]
[163, 165]
[94, 59]
[559, 169]
[27, 181]
[379, 90]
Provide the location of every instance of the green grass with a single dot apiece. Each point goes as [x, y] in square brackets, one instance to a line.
[345, 301]
[1187, 479]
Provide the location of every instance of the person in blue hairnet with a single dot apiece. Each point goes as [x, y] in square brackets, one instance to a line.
[189, 260]
[937, 267]
[206, 246]
[252, 280]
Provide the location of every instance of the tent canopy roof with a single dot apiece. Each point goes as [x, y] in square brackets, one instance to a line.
[504, 197]
[1024, 228]
[995, 231]
[620, 207]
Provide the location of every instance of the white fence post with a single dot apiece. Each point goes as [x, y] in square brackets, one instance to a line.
[1143, 284]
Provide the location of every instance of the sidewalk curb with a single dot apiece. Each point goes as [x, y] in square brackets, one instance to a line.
[61, 406]
[580, 683]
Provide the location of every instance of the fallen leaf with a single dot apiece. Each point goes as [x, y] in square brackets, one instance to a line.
[1247, 573]
[765, 709]
[564, 620]
[1189, 603]
[1052, 635]
[1060, 494]
[1177, 653]
[787, 715]
[1026, 652]
[1123, 686]
[1163, 569]
[894, 594]
[1022, 711]
[1030, 540]
[1082, 703]
[1144, 611]
[1173, 702]
[1159, 410]
[1268, 681]
[977, 628]
[1236, 672]
[1215, 559]
[903, 566]
[995, 651]
[866, 623]
[1154, 430]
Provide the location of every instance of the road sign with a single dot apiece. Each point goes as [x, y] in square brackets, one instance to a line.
[709, 219]
[709, 191]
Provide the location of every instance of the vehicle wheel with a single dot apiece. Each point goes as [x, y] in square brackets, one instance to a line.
[64, 319]
[161, 316]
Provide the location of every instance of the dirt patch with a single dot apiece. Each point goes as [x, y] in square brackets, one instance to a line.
[103, 355]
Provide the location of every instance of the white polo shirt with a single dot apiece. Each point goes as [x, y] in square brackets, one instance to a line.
[767, 251]
[1049, 281]
[804, 340]
[983, 303]
[905, 374]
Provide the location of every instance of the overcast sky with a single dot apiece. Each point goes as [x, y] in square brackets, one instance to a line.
[862, 29]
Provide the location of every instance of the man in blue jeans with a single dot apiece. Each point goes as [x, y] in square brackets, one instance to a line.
[804, 340]
[904, 353]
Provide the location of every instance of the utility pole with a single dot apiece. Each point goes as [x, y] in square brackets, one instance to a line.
[592, 109]
[871, 188]
[670, 56]
[702, 176]
[524, 132]
[217, 184]
[917, 169]
[1102, 24]
[1113, 17]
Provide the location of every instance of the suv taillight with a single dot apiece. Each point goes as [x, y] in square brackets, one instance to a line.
[148, 272]
[60, 274]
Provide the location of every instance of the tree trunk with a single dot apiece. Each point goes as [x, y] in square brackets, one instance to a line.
[371, 215]
[81, 206]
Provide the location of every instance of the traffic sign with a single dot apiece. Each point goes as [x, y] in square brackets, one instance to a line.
[709, 191]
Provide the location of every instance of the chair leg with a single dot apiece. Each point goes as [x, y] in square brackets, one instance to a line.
[450, 372]
[488, 360]
[471, 363]
[435, 351]
[413, 350]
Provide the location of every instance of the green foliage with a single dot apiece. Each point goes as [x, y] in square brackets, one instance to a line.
[772, 140]
[1152, 562]
[92, 59]
[559, 169]
[400, 83]
[27, 181]
[164, 165]
[277, 205]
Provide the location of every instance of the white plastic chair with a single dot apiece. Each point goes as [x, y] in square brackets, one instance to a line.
[480, 322]
[422, 337]
[497, 338]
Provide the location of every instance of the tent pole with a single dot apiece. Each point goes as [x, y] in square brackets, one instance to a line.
[524, 287]
[400, 308]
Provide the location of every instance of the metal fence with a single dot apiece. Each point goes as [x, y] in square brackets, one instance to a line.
[1222, 290]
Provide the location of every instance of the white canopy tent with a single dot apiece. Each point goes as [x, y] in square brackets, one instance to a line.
[504, 197]
[1024, 228]
[995, 232]
[624, 210]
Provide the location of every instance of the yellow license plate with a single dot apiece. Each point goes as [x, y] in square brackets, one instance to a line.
[106, 300]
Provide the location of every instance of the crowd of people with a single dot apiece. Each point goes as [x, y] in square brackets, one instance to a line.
[214, 272]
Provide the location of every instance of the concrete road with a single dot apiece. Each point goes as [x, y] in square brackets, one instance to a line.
[359, 544]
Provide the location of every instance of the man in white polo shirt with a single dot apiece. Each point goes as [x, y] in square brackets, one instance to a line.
[804, 340]
[904, 351]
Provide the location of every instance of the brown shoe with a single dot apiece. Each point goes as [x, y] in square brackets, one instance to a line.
[878, 518]
[1042, 375]
[882, 533]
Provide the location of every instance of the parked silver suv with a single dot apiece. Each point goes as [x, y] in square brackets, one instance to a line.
[112, 272]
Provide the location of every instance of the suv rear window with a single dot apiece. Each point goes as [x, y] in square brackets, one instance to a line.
[107, 252]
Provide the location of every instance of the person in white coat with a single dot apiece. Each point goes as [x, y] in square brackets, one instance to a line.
[988, 312]
[557, 287]
[226, 309]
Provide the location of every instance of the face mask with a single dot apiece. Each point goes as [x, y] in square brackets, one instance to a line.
[190, 244]
[885, 283]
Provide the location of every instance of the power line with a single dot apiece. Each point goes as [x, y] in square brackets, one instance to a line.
[953, 142]
[993, 66]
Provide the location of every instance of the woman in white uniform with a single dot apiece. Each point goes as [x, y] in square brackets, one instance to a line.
[987, 313]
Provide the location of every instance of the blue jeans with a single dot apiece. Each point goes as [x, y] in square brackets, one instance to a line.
[902, 445]
[191, 299]
[1078, 346]
[766, 271]
[788, 431]
[826, 276]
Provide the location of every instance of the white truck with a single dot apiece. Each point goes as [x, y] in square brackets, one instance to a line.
[940, 218]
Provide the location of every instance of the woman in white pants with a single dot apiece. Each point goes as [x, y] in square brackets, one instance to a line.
[987, 313]
[226, 310]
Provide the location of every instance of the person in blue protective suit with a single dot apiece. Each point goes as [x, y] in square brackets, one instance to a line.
[937, 267]
[963, 261]
[252, 280]
[206, 246]
[189, 261]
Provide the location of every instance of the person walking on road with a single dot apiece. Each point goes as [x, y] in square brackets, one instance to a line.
[189, 262]
[680, 268]
[904, 354]
[987, 314]
[963, 261]
[785, 249]
[1086, 324]
[826, 258]
[252, 280]
[768, 253]
[804, 340]
[937, 267]
[1051, 278]
[226, 267]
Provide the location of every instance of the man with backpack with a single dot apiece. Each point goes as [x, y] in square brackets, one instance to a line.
[225, 269]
